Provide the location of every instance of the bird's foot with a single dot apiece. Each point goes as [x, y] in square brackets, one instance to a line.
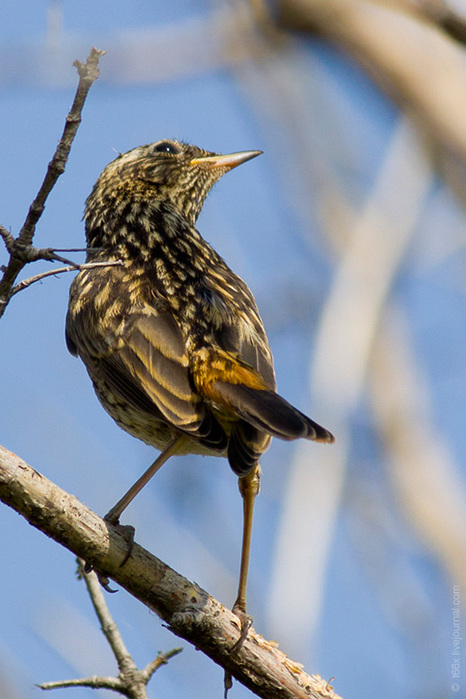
[127, 531]
[85, 568]
[105, 582]
[246, 623]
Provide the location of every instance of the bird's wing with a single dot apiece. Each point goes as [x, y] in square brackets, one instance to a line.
[235, 374]
[236, 337]
[249, 343]
[142, 359]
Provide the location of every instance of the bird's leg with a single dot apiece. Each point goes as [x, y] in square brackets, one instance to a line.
[249, 487]
[113, 515]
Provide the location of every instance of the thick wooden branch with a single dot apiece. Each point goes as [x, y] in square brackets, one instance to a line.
[189, 611]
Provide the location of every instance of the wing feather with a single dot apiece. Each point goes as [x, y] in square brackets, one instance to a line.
[140, 356]
[154, 357]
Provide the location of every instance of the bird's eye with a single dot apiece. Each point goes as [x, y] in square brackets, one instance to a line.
[166, 147]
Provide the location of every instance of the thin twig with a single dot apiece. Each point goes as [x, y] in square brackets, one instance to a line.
[77, 249]
[52, 272]
[94, 682]
[130, 682]
[113, 683]
[88, 73]
[161, 659]
[8, 239]
[108, 625]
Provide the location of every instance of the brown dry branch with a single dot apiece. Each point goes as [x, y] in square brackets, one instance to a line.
[130, 681]
[189, 611]
[20, 248]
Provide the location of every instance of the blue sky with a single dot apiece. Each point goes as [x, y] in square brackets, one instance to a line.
[384, 620]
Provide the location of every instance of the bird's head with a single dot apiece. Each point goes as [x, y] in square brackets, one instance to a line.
[176, 173]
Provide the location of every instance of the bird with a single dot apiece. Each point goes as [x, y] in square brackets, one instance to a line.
[170, 336]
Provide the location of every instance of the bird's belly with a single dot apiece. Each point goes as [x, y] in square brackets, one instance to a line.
[144, 426]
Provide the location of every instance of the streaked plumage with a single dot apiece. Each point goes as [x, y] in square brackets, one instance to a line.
[172, 338]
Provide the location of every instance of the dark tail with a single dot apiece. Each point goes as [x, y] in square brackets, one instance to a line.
[269, 412]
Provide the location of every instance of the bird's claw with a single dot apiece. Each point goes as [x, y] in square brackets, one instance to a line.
[88, 568]
[128, 532]
[105, 582]
[246, 623]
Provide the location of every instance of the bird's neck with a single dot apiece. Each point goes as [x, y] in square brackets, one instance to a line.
[152, 234]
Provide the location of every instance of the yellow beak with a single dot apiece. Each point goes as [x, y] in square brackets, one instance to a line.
[230, 161]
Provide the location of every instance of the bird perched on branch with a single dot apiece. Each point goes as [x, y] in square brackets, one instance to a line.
[172, 338]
